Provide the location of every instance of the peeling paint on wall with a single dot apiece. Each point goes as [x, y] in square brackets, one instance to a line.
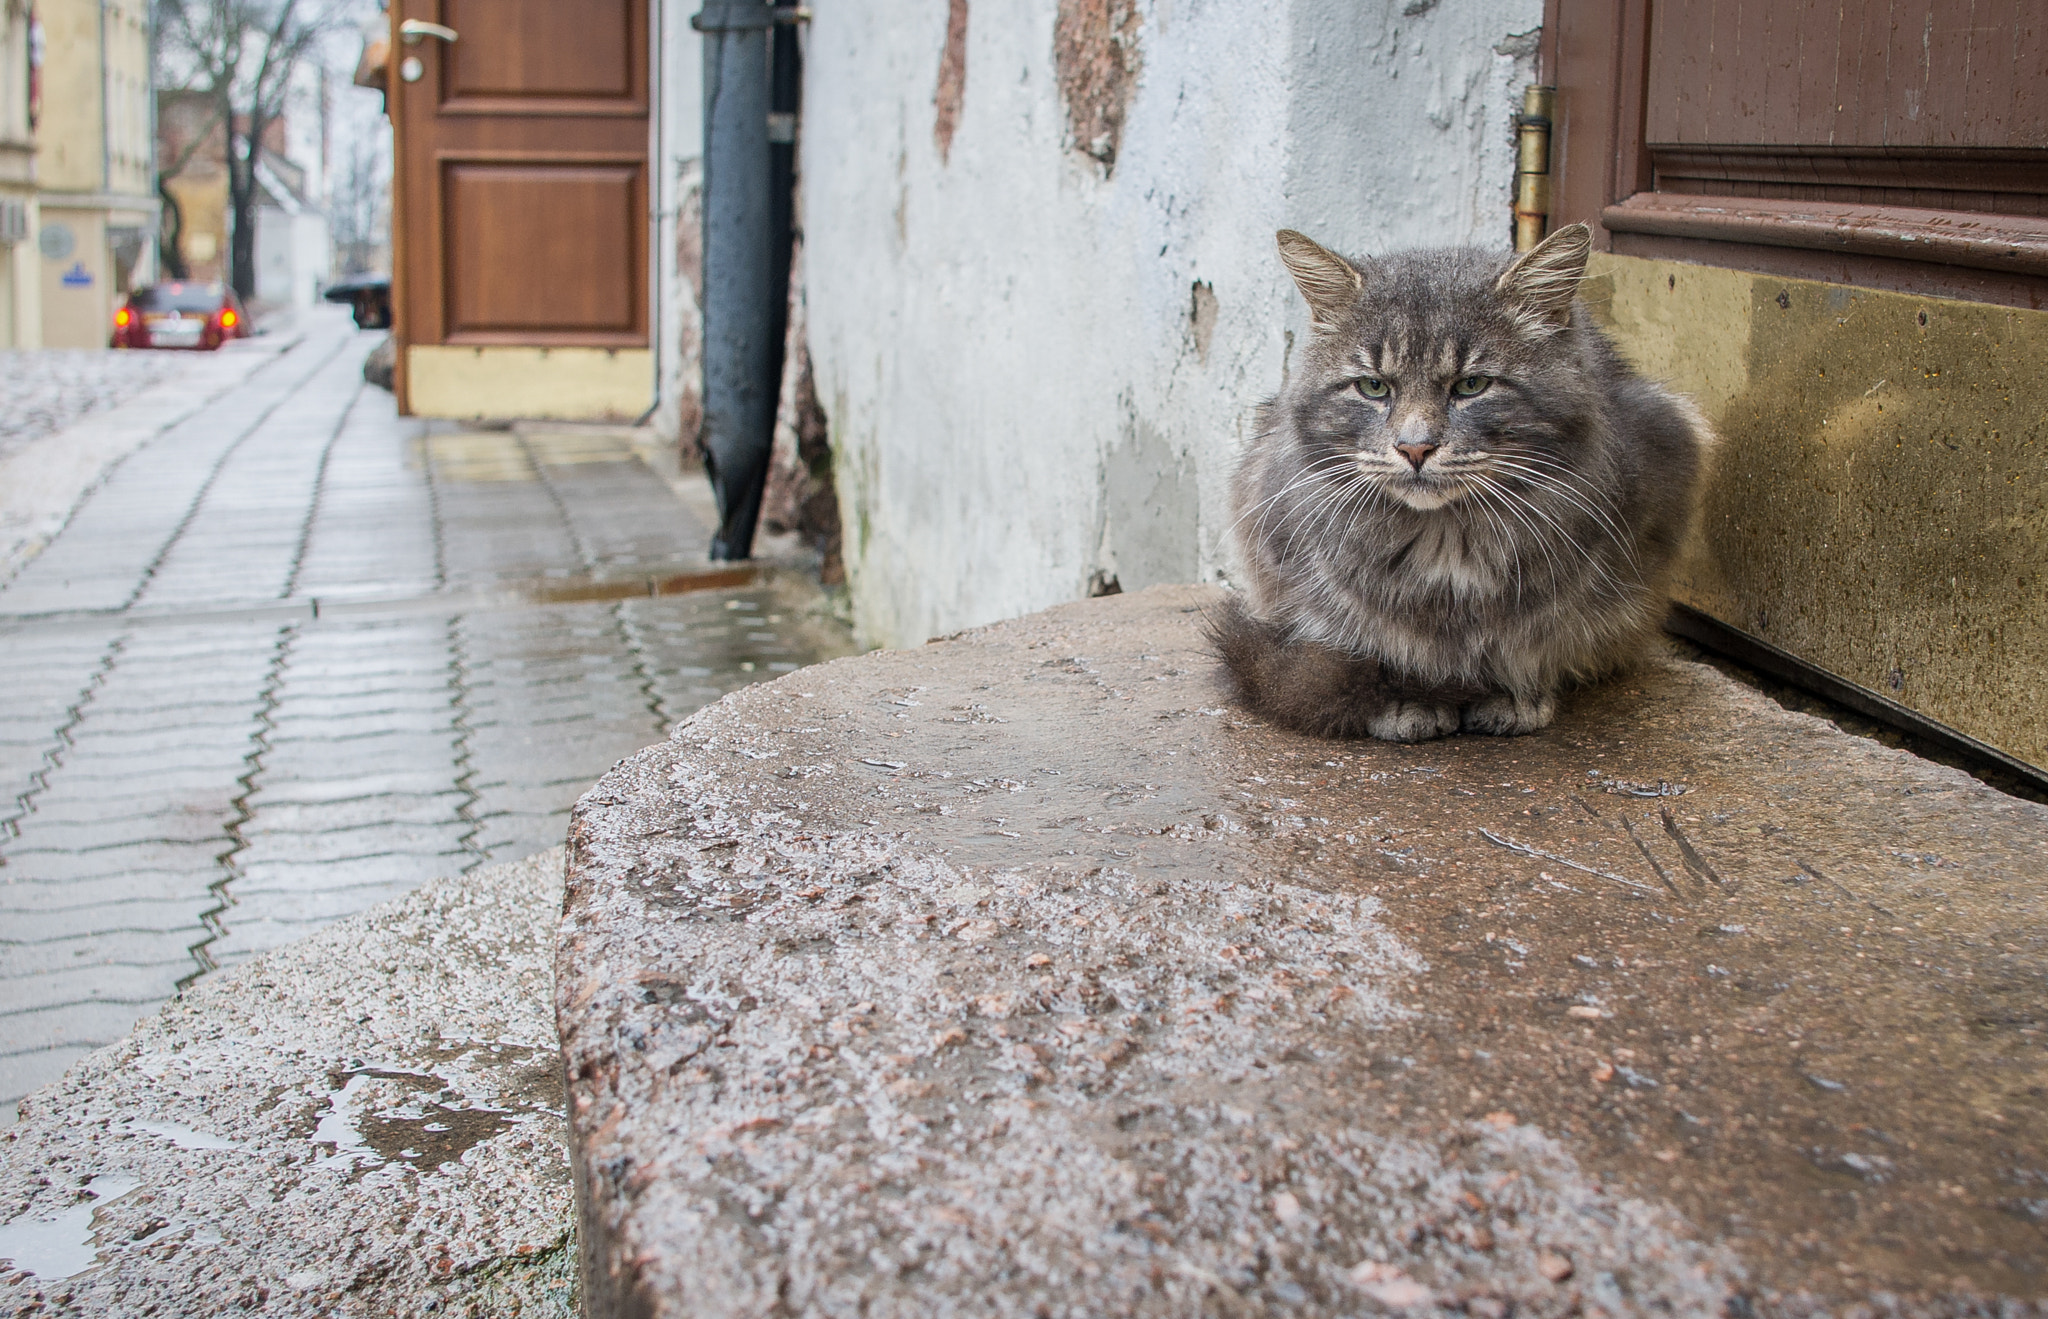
[1202, 319]
[1151, 504]
[952, 93]
[1095, 50]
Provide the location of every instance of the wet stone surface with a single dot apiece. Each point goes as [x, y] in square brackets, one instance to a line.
[1021, 972]
[43, 390]
[295, 655]
[366, 1123]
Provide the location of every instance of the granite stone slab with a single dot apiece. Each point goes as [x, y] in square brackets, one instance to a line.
[1022, 973]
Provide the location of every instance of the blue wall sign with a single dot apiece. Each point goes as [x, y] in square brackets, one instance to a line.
[78, 277]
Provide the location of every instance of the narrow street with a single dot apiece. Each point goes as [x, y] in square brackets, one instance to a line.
[295, 655]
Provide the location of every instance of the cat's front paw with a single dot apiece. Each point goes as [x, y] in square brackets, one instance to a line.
[1506, 715]
[1413, 721]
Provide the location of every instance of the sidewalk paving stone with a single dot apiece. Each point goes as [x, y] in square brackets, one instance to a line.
[297, 703]
[269, 874]
[111, 948]
[272, 813]
[171, 917]
[32, 1069]
[527, 798]
[370, 840]
[96, 902]
[105, 861]
[41, 832]
[316, 787]
[174, 698]
[86, 1024]
[125, 983]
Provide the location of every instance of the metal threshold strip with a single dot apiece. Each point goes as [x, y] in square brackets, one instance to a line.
[1710, 633]
[518, 594]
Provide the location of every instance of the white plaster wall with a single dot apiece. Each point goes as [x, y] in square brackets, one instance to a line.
[678, 145]
[294, 256]
[1004, 342]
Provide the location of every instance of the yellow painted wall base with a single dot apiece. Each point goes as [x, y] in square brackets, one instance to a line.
[1879, 502]
[562, 384]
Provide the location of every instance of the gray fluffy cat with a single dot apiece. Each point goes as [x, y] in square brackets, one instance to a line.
[1461, 502]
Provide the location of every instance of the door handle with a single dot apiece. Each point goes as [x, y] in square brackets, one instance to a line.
[412, 29]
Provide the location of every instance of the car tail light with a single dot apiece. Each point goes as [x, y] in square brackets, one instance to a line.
[123, 318]
[228, 318]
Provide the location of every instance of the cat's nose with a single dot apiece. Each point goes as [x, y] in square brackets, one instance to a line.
[1416, 454]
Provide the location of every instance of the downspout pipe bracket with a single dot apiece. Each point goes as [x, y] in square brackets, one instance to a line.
[746, 17]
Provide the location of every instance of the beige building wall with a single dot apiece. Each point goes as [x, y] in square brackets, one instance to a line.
[94, 163]
[20, 277]
[202, 197]
[77, 293]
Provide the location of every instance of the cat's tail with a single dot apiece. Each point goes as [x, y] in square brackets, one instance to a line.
[1307, 686]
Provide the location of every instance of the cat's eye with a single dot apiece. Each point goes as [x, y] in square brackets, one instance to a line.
[1469, 386]
[1374, 387]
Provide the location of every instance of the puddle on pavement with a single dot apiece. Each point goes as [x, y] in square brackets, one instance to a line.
[423, 1119]
[185, 1138]
[62, 1247]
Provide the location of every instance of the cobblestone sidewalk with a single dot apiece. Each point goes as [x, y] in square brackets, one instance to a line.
[44, 390]
[296, 655]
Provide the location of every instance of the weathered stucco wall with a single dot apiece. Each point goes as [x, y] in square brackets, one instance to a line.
[1043, 298]
[1879, 504]
[678, 217]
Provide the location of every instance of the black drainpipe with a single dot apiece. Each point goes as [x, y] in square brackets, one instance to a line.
[751, 80]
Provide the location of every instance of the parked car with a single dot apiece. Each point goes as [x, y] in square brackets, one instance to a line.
[180, 315]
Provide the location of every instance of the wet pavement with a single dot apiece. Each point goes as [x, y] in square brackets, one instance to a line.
[1024, 967]
[295, 655]
[364, 1123]
[43, 390]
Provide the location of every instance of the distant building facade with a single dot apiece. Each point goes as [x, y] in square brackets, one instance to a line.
[21, 314]
[294, 250]
[192, 161]
[93, 162]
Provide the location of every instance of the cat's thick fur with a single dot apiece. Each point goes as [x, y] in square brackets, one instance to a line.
[1461, 501]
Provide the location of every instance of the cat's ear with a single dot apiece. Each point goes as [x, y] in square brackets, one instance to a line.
[1328, 281]
[1543, 280]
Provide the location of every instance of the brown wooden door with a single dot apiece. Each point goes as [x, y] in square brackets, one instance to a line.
[521, 191]
[1895, 144]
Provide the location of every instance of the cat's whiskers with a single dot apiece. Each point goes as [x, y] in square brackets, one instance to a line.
[1507, 537]
[1581, 500]
[1308, 518]
[1580, 483]
[1603, 578]
[1513, 508]
[1359, 502]
[1317, 471]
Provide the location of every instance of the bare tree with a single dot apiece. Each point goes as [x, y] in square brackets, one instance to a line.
[358, 206]
[242, 54]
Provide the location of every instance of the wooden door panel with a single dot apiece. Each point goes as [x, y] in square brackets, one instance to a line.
[1907, 75]
[541, 252]
[542, 56]
[521, 207]
[1908, 132]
